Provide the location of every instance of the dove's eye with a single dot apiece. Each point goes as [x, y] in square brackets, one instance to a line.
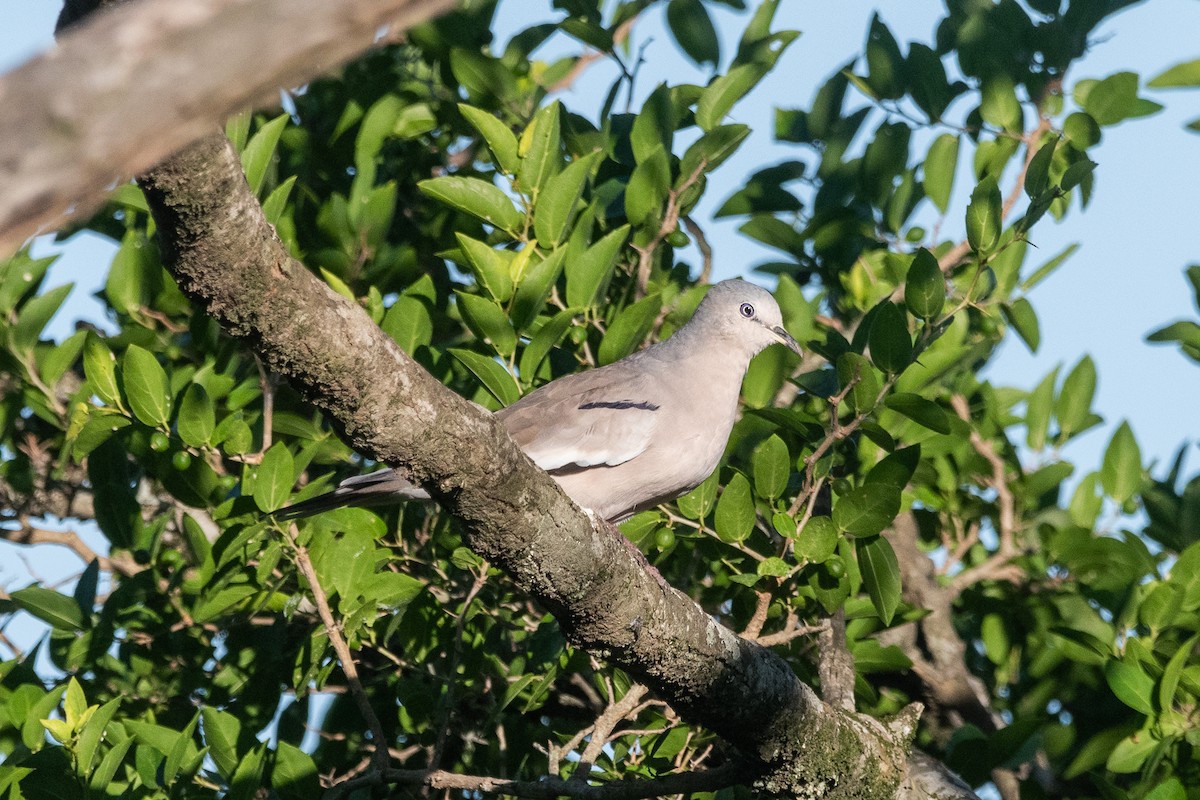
[747, 310]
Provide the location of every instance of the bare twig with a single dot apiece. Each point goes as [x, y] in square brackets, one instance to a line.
[755, 625]
[266, 383]
[590, 57]
[604, 725]
[333, 630]
[439, 747]
[31, 535]
[706, 253]
[998, 564]
[551, 788]
[669, 224]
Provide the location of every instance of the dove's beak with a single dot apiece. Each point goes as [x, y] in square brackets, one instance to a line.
[785, 338]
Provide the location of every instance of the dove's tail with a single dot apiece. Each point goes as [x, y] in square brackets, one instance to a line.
[375, 489]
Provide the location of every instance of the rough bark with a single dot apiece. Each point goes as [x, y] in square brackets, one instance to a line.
[72, 125]
[228, 260]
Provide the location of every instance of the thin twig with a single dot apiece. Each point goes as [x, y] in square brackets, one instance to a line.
[439, 746]
[379, 757]
[669, 224]
[590, 57]
[998, 564]
[551, 788]
[267, 384]
[706, 252]
[604, 725]
[31, 535]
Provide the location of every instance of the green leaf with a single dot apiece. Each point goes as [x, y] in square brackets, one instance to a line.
[1075, 398]
[1024, 320]
[629, 329]
[18, 276]
[274, 478]
[1044, 271]
[487, 321]
[588, 272]
[720, 96]
[772, 466]
[999, 105]
[494, 377]
[146, 386]
[921, 410]
[408, 322]
[260, 149]
[866, 510]
[56, 610]
[694, 31]
[131, 278]
[773, 567]
[295, 773]
[1081, 131]
[654, 126]
[1174, 669]
[100, 368]
[865, 393]
[74, 704]
[735, 510]
[1039, 407]
[818, 541]
[712, 149]
[221, 733]
[925, 286]
[89, 738]
[880, 575]
[500, 139]
[179, 750]
[896, 468]
[547, 336]
[1185, 332]
[535, 286]
[1113, 99]
[102, 778]
[1037, 176]
[540, 147]
[475, 197]
[1185, 74]
[34, 316]
[276, 202]
[885, 63]
[983, 216]
[648, 187]
[1130, 684]
[1121, 473]
[890, 341]
[1076, 174]
[697, 503]
[197, 417]
[556, 205]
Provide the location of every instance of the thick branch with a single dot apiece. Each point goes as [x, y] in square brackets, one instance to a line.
[228, 260]
[73, 125]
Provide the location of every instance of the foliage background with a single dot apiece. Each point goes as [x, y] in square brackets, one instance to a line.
[1128, 678]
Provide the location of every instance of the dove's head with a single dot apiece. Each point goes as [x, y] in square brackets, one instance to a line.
[741, 312]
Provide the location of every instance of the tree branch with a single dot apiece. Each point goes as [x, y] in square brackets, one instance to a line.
[78, 127]
[228, 260]
[550, 788]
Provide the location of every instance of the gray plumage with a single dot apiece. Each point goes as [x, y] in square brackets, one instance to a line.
[631, 435]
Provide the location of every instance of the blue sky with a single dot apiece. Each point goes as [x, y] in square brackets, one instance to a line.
[1137, 236]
